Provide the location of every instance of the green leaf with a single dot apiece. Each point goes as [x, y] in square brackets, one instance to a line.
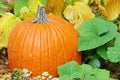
[112, 79]
[74, 76]
[117, 40]
[18, 5]
[113, 54]
[1, 11]
[94, 33]
[73, 71]
[2, 5]
[101, 74]
[86, 69]
[68, 68]
[65, 77]
[69, 71]
[101, 51]
[95, 63]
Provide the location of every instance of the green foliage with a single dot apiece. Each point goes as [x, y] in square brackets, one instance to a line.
[94, 33]
[95, 63]
[73, 71]
[111, 53]
[2, 5]
[7, 23]
[102, 37]
[18, 5]
[101, 51]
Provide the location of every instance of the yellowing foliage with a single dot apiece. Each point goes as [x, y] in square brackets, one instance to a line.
[111, 8]
[29, 10]
[55, 7]
[7, 22]
[78, 13]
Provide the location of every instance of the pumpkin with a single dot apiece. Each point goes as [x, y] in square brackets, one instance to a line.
[42, 44]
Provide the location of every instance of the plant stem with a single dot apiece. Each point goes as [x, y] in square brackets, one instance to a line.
[41, 16]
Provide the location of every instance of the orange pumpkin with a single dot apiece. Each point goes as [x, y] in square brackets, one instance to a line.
[42, 44]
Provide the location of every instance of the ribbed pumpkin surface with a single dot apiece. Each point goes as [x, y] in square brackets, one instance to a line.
[43, 47]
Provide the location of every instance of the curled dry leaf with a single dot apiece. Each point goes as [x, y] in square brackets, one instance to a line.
[111, 8]
[78, 13]
[55, 7]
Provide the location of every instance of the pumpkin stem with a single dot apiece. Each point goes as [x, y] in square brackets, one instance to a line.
[41, 16]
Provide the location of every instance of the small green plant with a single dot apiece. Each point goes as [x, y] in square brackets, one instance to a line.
[18, 74]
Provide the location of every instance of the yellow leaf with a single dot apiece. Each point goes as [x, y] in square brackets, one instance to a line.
[30, 9]
[33, 5]
[55, 6]
[111, 9]
[7, 22]
[78, 13]
[25, 13]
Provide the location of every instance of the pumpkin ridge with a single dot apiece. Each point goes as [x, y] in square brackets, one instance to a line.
[54, 60]
[40, 48]
[48, 43]
[39, 51]
[21, 42]
[63, 31]
[33, 59]
[43, 47]
[16, 36]
[12, 39]
[47, 50]
[58, 32]
[20, 47]
[53, 32]
[67, 29]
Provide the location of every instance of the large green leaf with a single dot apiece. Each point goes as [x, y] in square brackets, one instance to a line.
[94, 33]
[117, 40]
[101, 74]
[73, 76]
[113, 54]
[101, 51]
[73, 71]
[68, 69]
[18, 5]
